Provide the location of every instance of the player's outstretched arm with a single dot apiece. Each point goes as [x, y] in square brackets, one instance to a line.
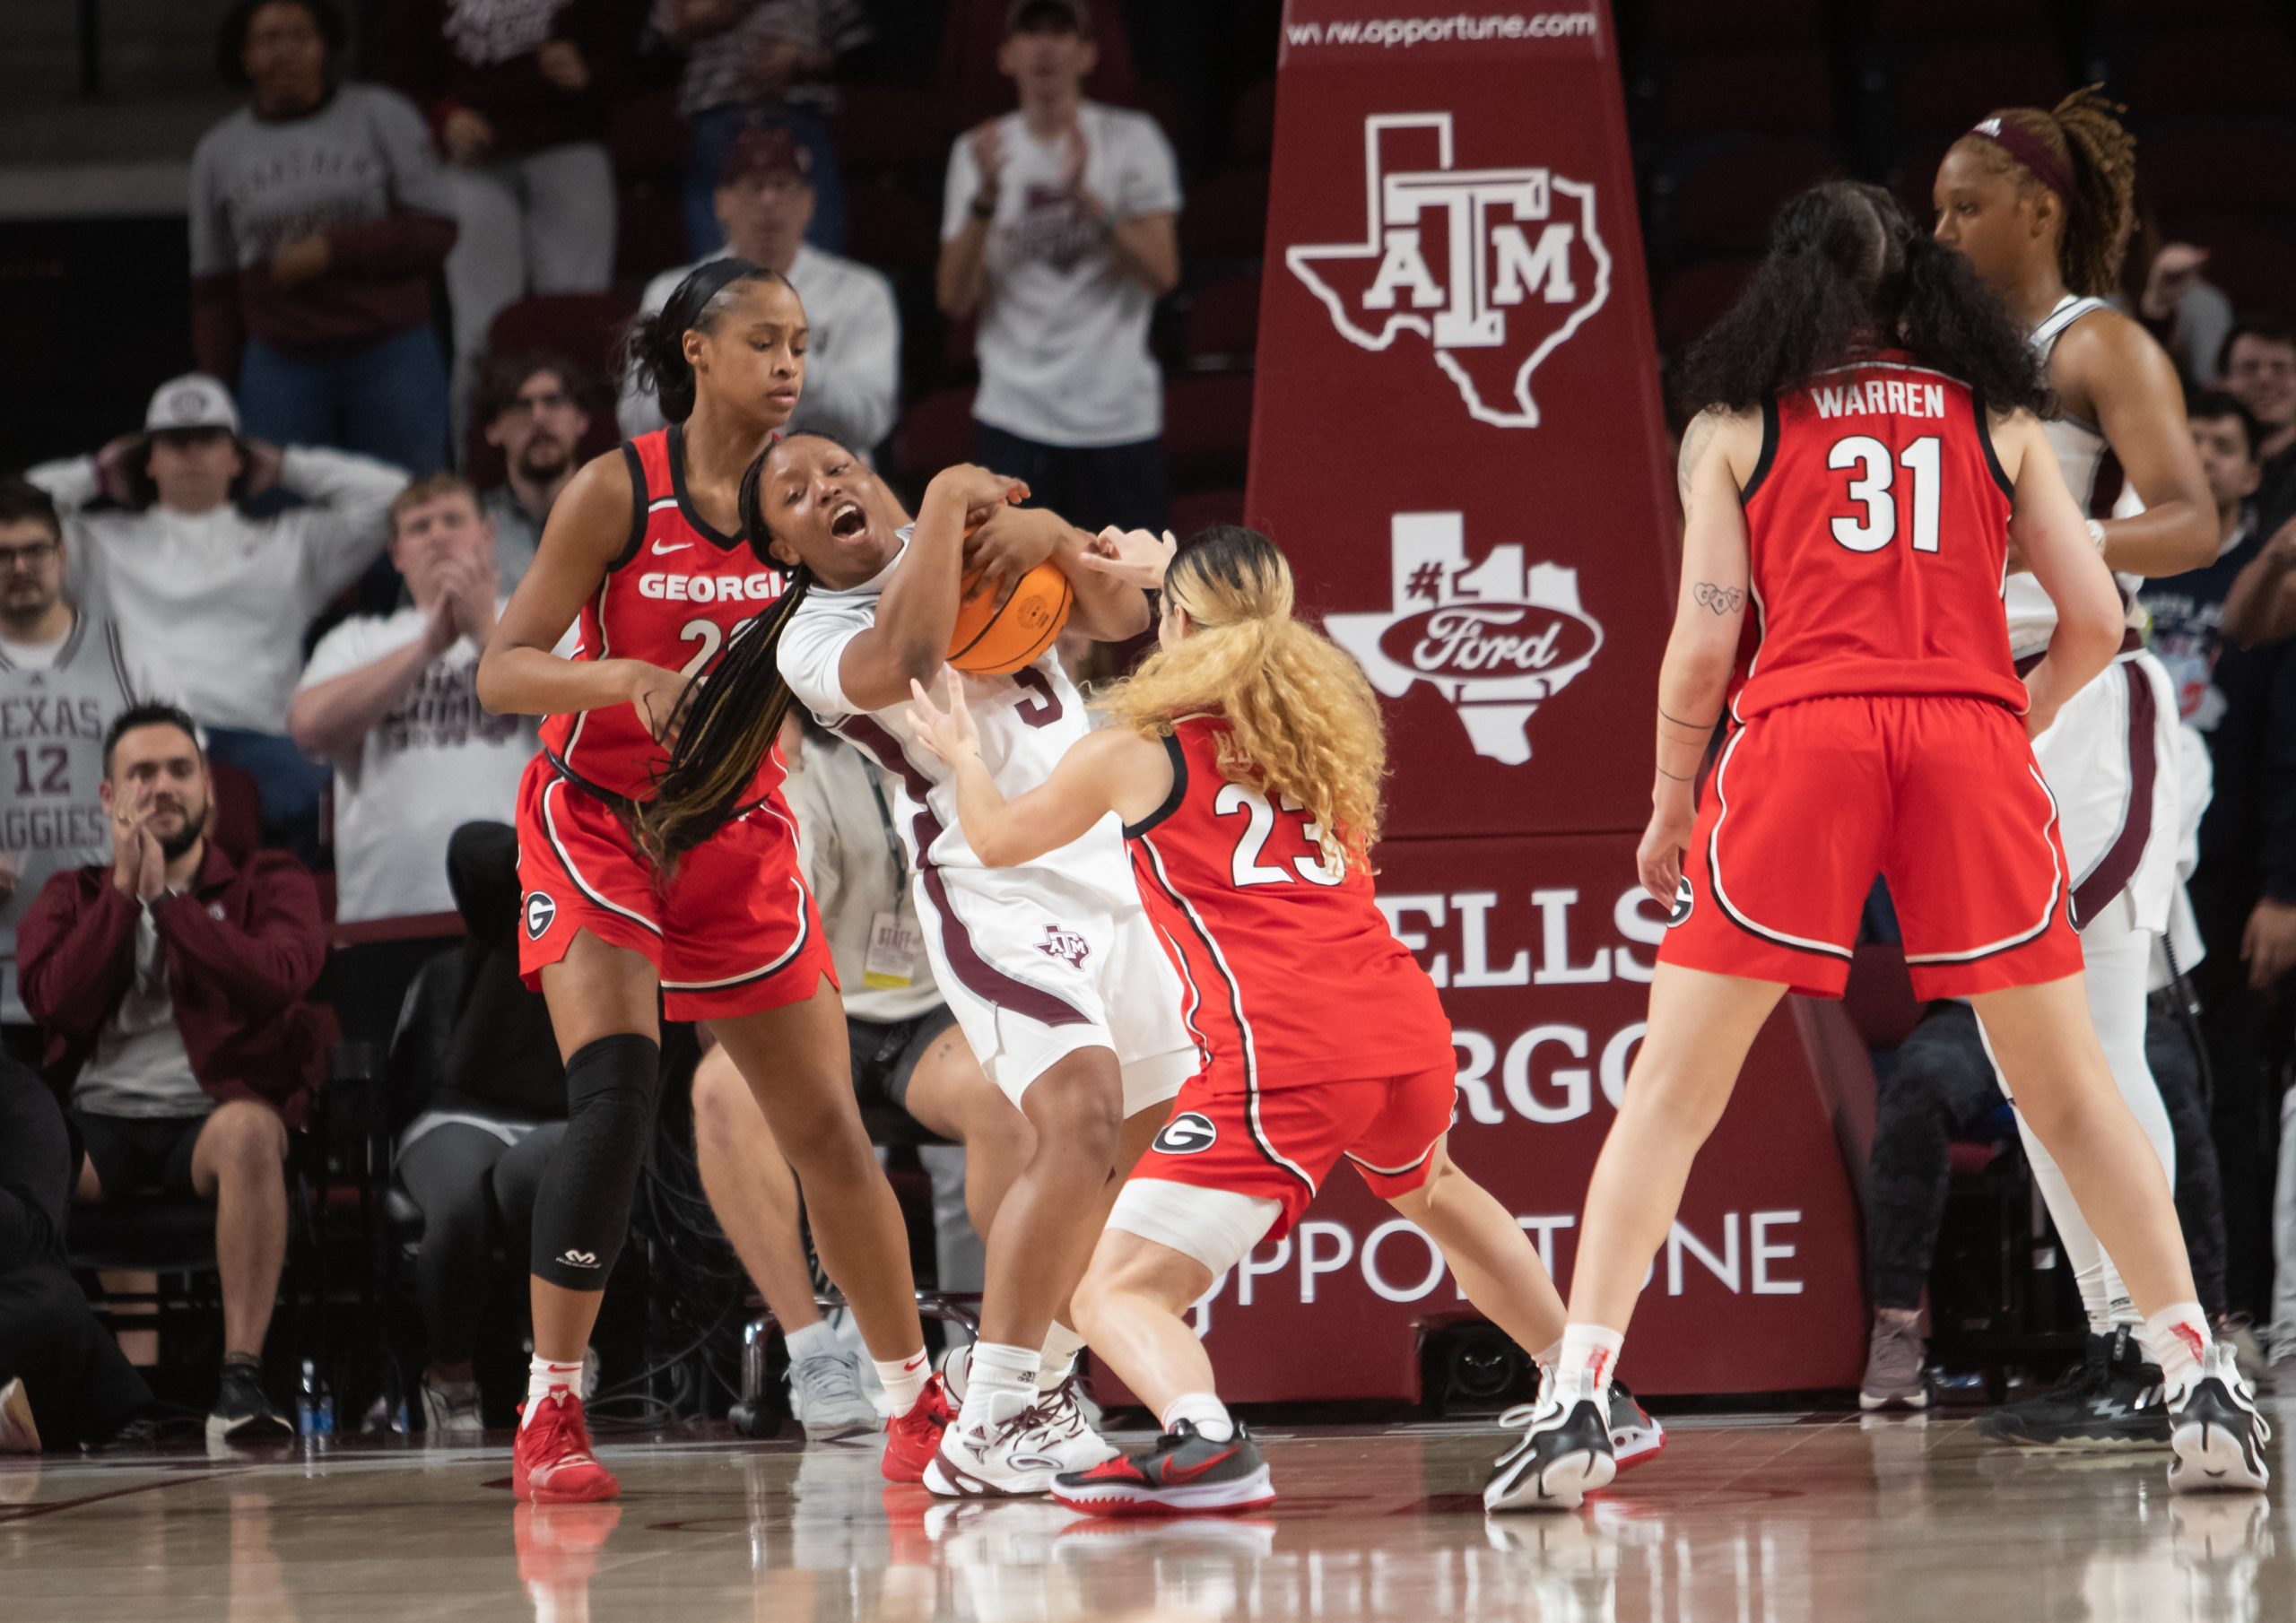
[1719, 451]
[518, 674]
[918, 611]
[2047, 526]
[1114, 769]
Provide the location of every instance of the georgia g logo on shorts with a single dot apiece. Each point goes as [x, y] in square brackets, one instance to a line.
[1685, 898]
[1191, 1133]
[540, 911]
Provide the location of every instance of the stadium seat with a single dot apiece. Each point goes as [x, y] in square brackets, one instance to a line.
[1901, 20]
[1222, 324]
[2246, 166]
[890, 128]
[645, 135]
[1675, 24]
[1943, 91]
[1720, 200]
[1207, 428]
[2177, 72]
[932, 434]
[894, 227]
[1251, 127]
[2255, 263]
[1695, 296]
[1770, 90]
[2119, 15]
[1225, 217]
[585, 327]
[1200, 509]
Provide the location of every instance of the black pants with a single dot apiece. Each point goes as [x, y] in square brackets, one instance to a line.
[82, 1386]
[1943, 1087]
[1089, 486]
[477, 1198]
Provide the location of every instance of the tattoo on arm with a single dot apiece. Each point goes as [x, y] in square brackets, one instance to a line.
[1722, 600]
[1701, 429]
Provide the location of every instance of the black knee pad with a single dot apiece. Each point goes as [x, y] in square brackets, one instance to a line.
[582, 1213]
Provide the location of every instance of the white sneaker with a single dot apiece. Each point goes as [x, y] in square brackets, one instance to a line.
[826, 1397]
[451, 1409]
[2216, 1432]
[1001, 1458]
[18, 1435]
[1065, 1429]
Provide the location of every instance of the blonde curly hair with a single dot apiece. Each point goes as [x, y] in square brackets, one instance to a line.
[1302, 721]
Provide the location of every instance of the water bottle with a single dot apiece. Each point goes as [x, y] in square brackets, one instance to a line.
[314, 1404]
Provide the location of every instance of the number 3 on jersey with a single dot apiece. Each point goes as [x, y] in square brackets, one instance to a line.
[1869, 485]
[1246, 865]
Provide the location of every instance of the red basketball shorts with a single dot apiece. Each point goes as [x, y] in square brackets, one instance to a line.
[1938, 795]
[733, 932]
[1279, 1144]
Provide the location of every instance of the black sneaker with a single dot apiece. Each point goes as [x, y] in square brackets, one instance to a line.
[244, 1412]
[2218, 1436]
[2112, 1399]
[1566, 1454]
[1183, 1473]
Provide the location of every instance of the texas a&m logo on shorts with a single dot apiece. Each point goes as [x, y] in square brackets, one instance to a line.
[1065, 944]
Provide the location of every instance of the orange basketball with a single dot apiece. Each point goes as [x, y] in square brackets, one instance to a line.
[993, 641]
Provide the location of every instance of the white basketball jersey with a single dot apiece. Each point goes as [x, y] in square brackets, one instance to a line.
[2079, 452]
[1027, 722]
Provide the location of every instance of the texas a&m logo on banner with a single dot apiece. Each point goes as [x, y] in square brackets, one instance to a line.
[1495, 638]
[1493, 268]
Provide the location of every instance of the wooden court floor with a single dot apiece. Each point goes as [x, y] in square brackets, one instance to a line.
[1767, 1519]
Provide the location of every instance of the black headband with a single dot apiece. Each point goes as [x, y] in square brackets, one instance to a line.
[695, 293]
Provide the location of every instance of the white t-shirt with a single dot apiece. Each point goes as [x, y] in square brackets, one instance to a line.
[439, 759]
[1064, 329]
[1027, 722]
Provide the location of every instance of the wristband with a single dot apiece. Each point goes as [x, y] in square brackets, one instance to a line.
[2097, 534]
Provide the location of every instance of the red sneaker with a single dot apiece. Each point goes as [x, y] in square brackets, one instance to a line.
[912, 1439]
[551, 1463]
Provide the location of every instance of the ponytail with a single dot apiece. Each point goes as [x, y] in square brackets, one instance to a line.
[653, 346]
[731, 713]
[1301, 720]
[2079, 150]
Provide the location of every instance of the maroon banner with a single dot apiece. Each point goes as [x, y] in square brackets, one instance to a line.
[1457, 439]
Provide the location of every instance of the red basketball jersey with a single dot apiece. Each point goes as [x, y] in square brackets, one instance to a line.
[1878, 521]
[1292, 974]
[678, 592]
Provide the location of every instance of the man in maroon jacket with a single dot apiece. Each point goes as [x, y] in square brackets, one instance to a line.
[172, 983]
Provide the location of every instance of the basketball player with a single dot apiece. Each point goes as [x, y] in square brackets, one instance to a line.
[702, 918]
[1868, 451]
[1052, 970]
[1245, 763]
[2037, 202]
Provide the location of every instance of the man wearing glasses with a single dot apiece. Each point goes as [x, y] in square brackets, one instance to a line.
[63, 677]
[531, 406]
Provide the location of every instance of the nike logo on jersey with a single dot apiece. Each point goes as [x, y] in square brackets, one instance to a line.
[659, 551]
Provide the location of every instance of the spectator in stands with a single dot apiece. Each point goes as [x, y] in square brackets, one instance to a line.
[63, 677]
[392, 699]
[518, 97]
[2192, 614]
[215, 603]
[494, 1108]
[72, 1383]
[765, 196]
[172, 984]
[908, 1056]
[531, 404]
[752, 58]
[1059, 228]
[2259, 367]
[319, 221]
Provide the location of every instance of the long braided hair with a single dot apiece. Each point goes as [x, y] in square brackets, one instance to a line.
[2083, 135]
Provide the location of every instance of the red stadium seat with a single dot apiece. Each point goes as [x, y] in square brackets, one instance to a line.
[1777, 91]
[1694, 296]
[1200, 509]
[1207, 428]
[586, 329]
[1721, 201]
[1223, 324]
[1675, 24]
[2221, 168]
[1225, 217]
[1251, 128]
[1899, 20]
[1943, 92]
[932, 434]
[645, 136]
[2176, 71]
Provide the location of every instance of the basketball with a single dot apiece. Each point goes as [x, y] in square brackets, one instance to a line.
[995, 640]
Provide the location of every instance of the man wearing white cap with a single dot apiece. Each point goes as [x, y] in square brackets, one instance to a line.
[212, 600]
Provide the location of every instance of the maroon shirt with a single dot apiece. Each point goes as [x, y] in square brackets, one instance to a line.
[244, 947]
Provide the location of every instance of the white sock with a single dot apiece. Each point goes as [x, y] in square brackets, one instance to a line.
[1589, 1355]
[2177, 1337]
[1003, 1381]
[1549, 1355]
[1061, 1346]
[903, 1379]
[1205, 1412]
[544, 1377]
[812, 1341]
